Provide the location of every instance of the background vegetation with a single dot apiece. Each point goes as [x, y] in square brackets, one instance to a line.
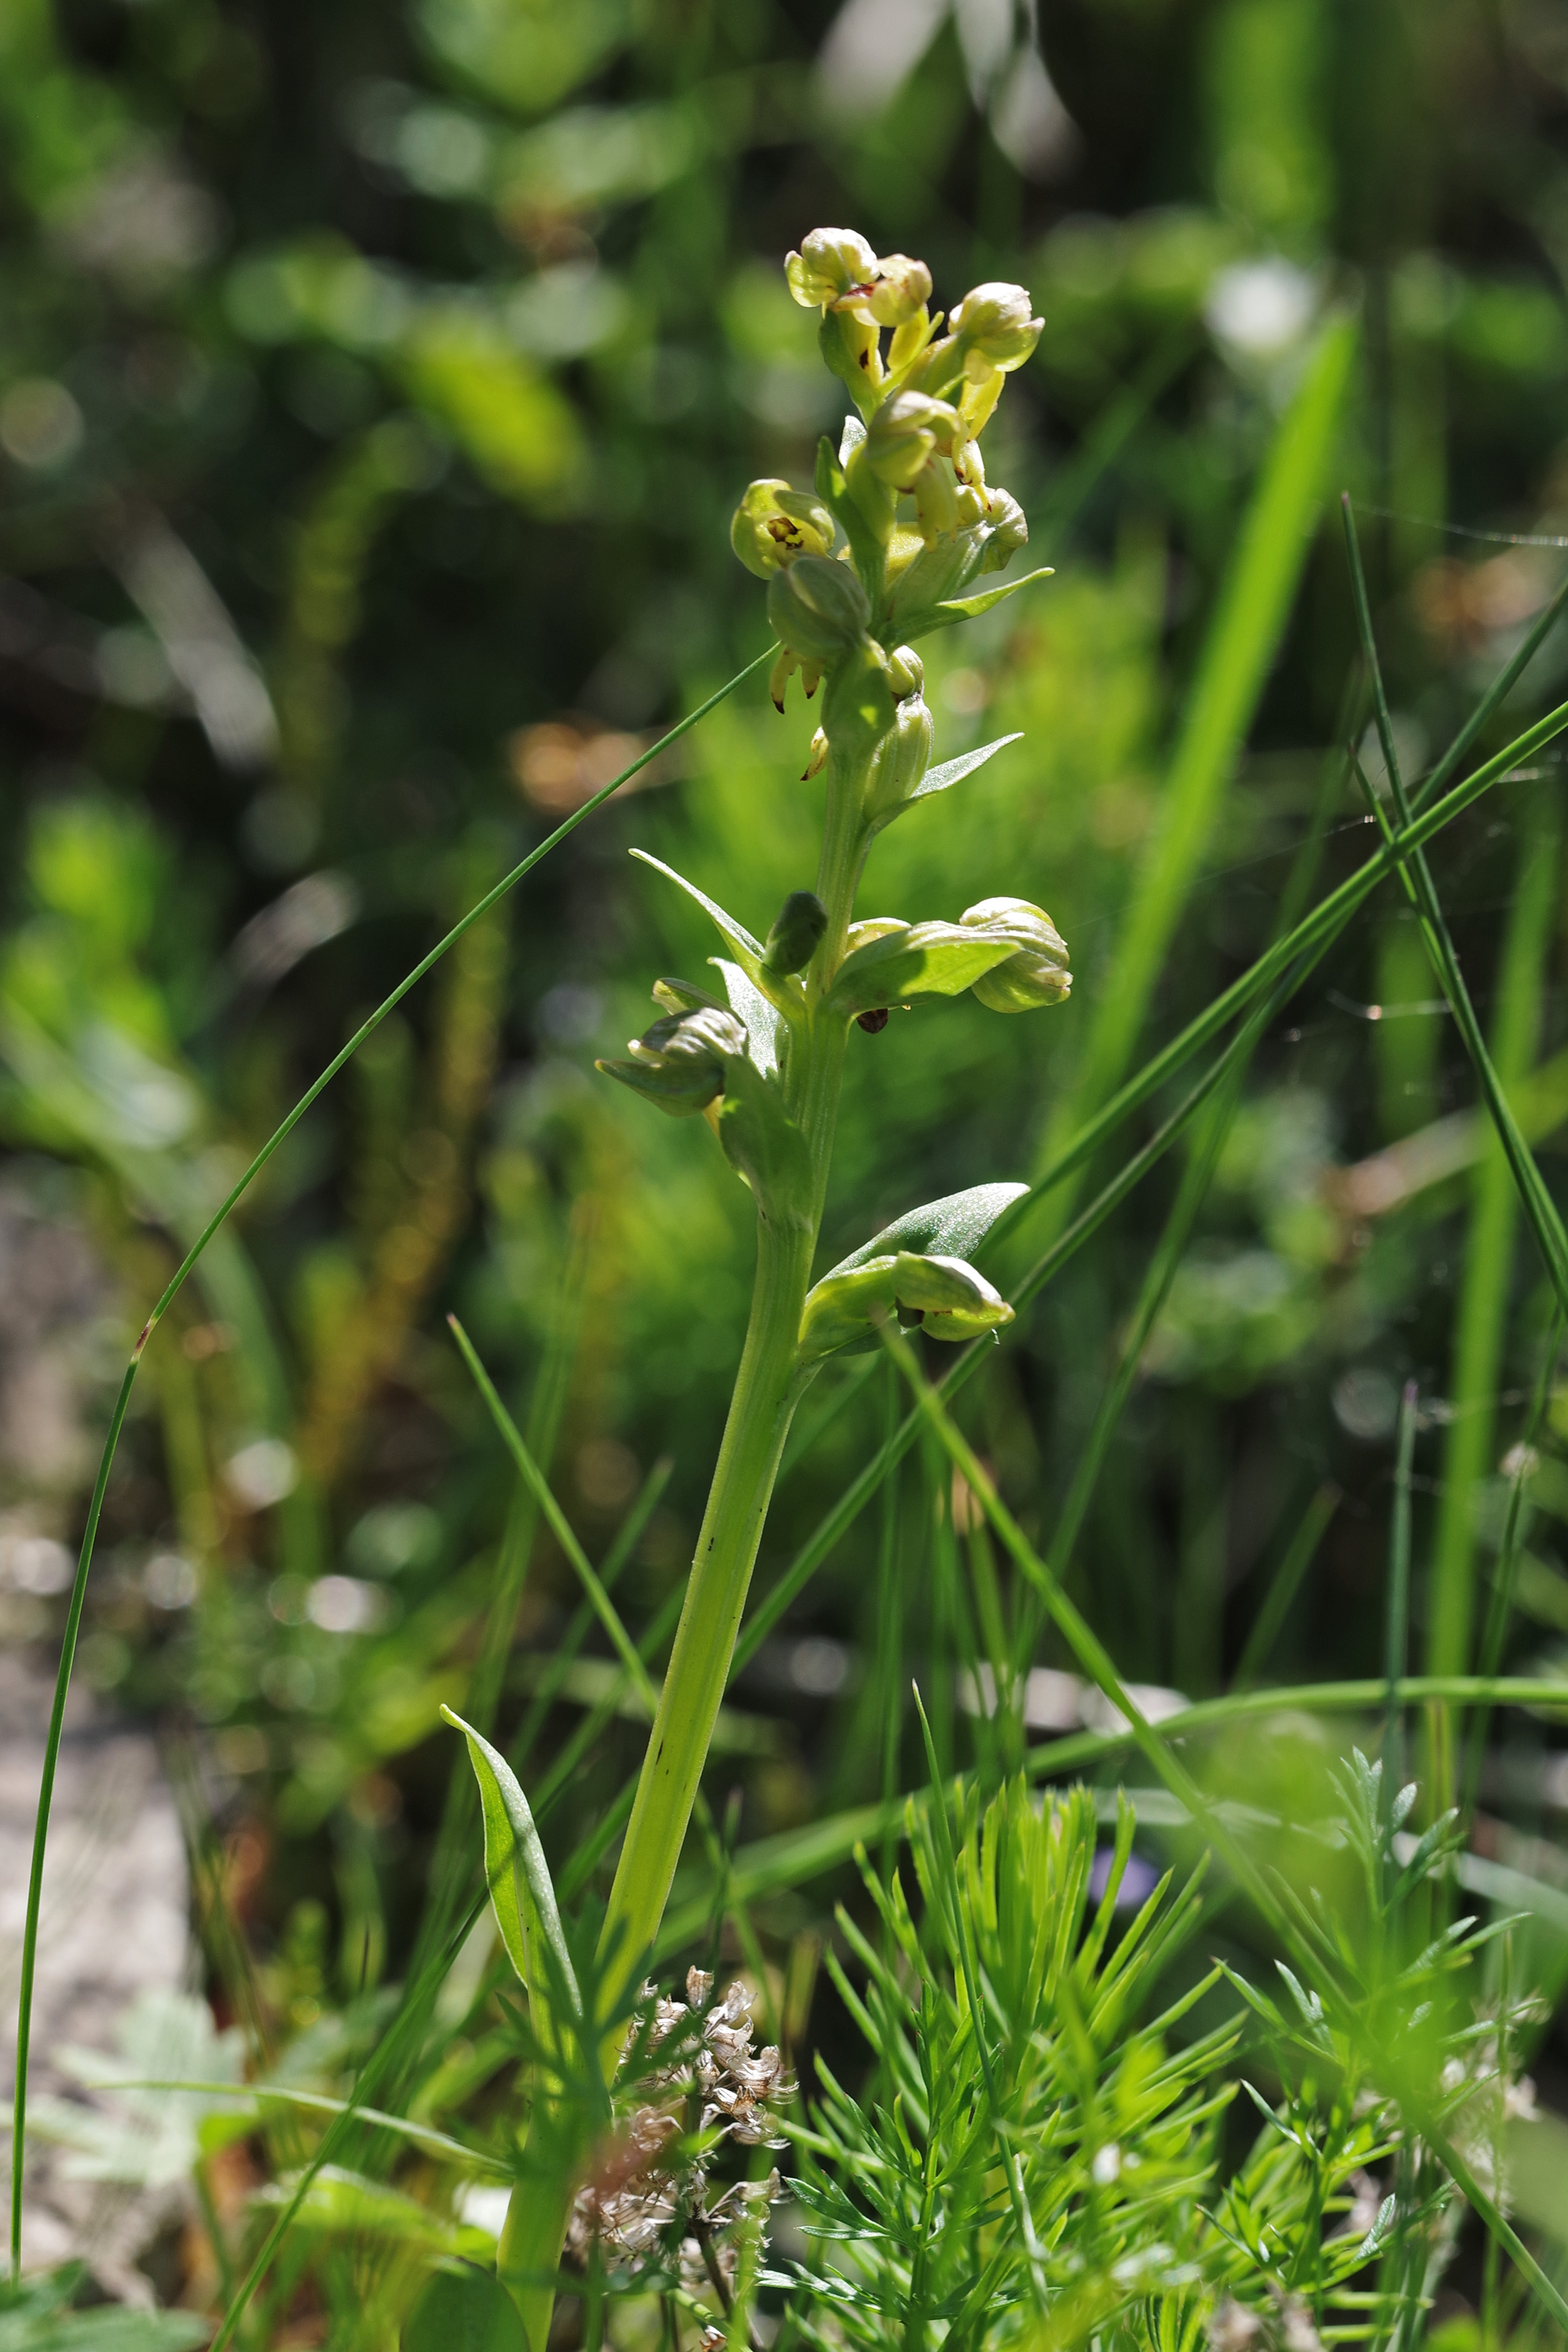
[377, 387]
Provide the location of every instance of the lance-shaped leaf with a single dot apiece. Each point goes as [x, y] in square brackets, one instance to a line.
[966, 608]
[953, 771]
[944, 1294]
[512, 1846]
[747, 952]
[910, 959]
[953, 1226]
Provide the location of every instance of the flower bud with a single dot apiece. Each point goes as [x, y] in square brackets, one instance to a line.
[831, 263]
[945, 1295]
[903, 288]
[793, 941]
[901, 759]
[817, 608]
[678, 1064]
[1009, 532]
[995, 326]
[936, 507]
[816, 758]
[1038, 974]
[850, 345]
[773, 524]
[906, 672]
[902, 436]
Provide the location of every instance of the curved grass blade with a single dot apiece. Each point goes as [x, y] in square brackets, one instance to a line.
[1416, 875]
[1249, 619]
[1489, 1254]
[117, 1420]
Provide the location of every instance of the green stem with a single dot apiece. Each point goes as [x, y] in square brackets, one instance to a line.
[766, 1389]
[768, 1386]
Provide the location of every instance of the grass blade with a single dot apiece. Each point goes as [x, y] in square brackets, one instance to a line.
[1396, 1624]
[1313, 935]
[1300, 1554]
[78, 1589]
[1488, 1252]
[560, 1526]
[1500, 1608]
[393, 2047]
[1416, 877]
[1254, 606]
[1097, 1663]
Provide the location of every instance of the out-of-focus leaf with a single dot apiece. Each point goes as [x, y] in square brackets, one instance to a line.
[37, 2316]
[597, 155]
[526, 53]
[149, 2136]
[513, 424]
[465, 2310]
[345, 2203]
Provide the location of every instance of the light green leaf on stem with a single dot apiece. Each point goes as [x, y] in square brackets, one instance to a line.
[511, 1846]
[953, 771]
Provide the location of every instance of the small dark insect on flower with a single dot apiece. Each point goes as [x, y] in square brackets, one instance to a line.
[872, 1022]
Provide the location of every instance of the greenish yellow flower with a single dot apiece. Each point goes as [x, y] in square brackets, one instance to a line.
[902, 290]
[679, 1062]
[1036, 974]
[994, 325]
[773, 524]
[903, 435]
[832, 266]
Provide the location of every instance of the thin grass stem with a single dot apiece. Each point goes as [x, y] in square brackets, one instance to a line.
[78, 1589]
[1298, 1557]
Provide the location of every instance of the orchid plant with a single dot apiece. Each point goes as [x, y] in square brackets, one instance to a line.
[897, 538]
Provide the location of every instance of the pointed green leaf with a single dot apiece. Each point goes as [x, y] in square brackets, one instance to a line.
[747, 952]
[953, 771]
[512, 1843]
[966, 608]
[953, 1226]
[749, 949]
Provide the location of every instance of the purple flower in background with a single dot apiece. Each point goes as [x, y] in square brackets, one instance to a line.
[1138, 1879]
